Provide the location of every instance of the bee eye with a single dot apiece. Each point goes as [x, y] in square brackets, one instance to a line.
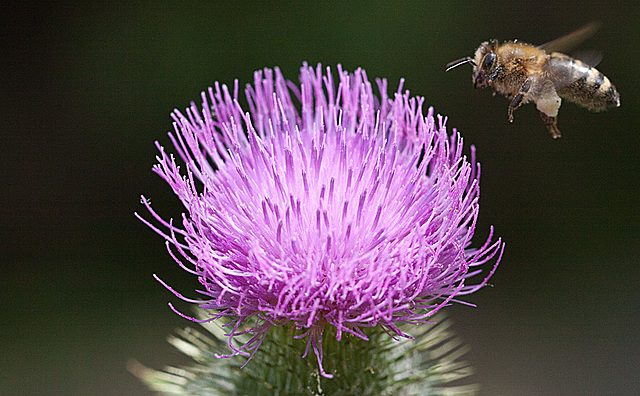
[488, 60]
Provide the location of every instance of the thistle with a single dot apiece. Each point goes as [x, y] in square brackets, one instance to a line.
[426, 364]
[323, 209]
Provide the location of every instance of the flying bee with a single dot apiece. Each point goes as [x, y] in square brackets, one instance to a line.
[526, 73]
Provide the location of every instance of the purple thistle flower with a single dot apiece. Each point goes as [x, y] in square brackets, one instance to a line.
[321, 206]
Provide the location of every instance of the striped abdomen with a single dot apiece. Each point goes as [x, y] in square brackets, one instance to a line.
[577, 82]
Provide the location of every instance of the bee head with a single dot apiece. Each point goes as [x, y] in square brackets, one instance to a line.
[485, 64]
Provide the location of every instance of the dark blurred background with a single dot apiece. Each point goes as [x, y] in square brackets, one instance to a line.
[86, 89]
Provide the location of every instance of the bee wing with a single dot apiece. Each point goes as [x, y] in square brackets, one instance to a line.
[589, 57]
[564, 70]
[571, 40]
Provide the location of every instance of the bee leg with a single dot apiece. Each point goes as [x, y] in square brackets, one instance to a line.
[552, 124]
[517, 100]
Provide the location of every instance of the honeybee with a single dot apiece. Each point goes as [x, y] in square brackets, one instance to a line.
[526, 73]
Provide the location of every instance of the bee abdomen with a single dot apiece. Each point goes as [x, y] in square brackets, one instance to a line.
[588, 87]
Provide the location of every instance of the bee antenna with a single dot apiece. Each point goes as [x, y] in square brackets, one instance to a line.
[458, 62]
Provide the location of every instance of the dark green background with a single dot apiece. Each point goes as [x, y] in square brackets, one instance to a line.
[87, 89]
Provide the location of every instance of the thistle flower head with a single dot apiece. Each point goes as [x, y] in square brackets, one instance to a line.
[323, 205]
